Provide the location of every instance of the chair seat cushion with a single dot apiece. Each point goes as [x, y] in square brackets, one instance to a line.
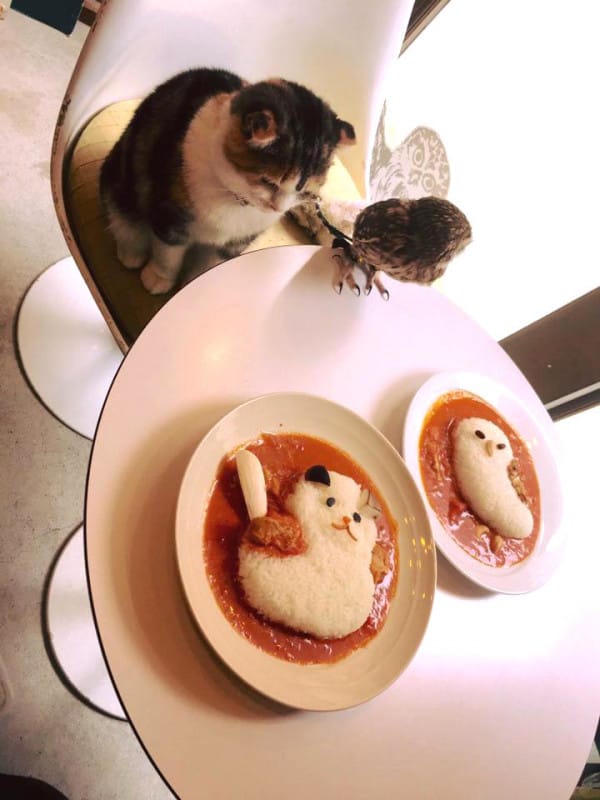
[129, 304]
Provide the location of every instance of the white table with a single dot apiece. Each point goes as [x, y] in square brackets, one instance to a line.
[500, 701]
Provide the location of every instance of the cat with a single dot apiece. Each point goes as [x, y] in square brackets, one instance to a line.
[211, 159]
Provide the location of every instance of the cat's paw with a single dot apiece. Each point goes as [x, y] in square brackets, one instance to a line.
[131, 259]
[153, 282]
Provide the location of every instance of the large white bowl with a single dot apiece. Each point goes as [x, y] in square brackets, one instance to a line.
[370, 669]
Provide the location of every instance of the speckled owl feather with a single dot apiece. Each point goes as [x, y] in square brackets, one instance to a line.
[409, 240]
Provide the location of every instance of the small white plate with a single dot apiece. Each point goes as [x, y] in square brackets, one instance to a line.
[547, 553]
[370, 669]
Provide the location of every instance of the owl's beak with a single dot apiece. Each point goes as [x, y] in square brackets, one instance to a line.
[489, 447]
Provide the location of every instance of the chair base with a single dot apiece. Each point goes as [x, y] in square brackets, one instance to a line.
[65, 347]
[71, 632]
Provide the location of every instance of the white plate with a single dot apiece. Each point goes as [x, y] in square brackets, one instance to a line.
[370, 669]
[539, 566]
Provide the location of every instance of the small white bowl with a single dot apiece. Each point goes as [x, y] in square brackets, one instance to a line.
[537, 568]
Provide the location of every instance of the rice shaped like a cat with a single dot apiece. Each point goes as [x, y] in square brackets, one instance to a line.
[326, 591]
[481, 457]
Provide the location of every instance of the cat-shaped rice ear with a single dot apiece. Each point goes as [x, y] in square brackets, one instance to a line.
[345, 131]
[259, 128]
[318, 474]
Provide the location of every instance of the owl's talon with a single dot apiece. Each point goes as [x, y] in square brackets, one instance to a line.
[376, 279]
[348, 278]
[352, 285]
[343, 272]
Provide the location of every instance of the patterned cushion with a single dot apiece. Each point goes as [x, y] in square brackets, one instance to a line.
[417, 167]
[130, 306]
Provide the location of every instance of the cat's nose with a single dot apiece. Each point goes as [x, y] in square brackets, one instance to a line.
[346, 520]
[489, 447]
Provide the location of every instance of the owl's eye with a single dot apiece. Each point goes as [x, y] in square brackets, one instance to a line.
[480, 434]
[330, 501]
[356, 516]
[501, 446]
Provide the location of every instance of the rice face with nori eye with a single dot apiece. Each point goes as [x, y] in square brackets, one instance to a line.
[326, 591]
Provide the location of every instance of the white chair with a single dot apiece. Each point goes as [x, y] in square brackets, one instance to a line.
[82, 314]
[70, 340]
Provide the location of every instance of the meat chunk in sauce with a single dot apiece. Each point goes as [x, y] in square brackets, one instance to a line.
[277, 531]
[380, 563]
[515, 478]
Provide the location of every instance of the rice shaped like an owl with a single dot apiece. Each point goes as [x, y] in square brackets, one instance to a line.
[327, 590]
[481, 457]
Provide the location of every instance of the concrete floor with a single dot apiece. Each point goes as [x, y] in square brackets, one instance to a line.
[45, 732]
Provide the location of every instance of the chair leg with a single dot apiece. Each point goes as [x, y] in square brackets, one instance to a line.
[70, 632]
[65, 347]
[70, 359]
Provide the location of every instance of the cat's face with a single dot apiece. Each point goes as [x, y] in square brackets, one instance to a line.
[270, 193]
[280, 143]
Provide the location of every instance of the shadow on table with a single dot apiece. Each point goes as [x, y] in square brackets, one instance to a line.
[144, 573]
[308, 320]
[450, 580]
[389, 417]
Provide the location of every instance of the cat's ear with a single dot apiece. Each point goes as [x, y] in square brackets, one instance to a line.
[345, 132]
[259, 128]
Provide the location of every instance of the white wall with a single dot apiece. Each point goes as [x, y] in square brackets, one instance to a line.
[512, 87]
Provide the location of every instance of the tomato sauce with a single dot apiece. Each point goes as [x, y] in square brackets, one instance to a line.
[435, 458]
[285, 458]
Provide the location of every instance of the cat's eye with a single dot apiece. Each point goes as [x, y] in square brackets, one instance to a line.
[501, 446]
[330, 501]
[480, 434]
[356, 516]
[269, 184]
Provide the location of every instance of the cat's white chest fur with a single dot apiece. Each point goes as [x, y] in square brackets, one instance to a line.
[220, 221]
[216, 190]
